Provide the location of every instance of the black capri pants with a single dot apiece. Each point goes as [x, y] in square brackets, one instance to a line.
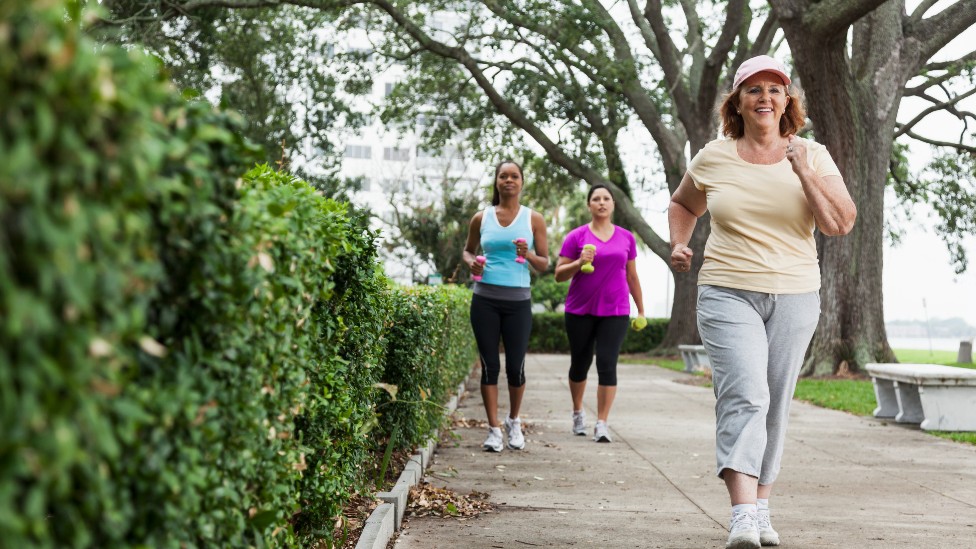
[497, 320]
[605, 335]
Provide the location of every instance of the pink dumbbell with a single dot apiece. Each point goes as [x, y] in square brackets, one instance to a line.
[518, 258]
[480, 259]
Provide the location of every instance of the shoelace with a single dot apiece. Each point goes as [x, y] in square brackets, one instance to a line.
[743, 521]
[763, 520]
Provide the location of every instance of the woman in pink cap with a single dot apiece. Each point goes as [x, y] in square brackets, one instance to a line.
[767, 190]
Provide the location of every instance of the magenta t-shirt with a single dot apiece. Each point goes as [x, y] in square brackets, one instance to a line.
[604, 292]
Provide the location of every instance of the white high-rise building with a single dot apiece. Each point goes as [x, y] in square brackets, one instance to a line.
[396, 172]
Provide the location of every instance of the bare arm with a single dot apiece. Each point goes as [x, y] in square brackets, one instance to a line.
[566, 268]
[832, 206]
[539, 258]
[633, 282]
[472, 244]
[687, 205]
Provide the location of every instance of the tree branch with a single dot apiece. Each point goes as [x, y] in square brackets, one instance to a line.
[669, 59]
[520, 119]
[958, 146]
[829, 17]
[946, 105]
[953, 67]
[937, 31]
[170, 9]
[920, 10]
[708, 86]
[645, 30]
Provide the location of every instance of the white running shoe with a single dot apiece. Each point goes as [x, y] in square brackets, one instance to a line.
[601, 433]
[767, 536]
[513, 429]
[494, 441]
[579, 423]
[743, 531]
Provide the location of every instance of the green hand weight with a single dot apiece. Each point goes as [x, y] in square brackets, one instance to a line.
[588, 267]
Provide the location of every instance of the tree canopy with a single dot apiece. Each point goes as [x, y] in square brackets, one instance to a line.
[600, 87]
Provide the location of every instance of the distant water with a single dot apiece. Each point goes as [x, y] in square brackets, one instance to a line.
[937, 343]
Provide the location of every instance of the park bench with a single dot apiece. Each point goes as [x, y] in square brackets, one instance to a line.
[939, 398]
[695, 357]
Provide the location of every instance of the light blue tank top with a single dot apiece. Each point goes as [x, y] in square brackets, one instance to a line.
[501, 268]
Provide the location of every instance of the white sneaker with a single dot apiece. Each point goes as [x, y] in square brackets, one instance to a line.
[494, 441]
[579, 423]
[767, 536]
[513, 429]
[601, 433]
[743, 531]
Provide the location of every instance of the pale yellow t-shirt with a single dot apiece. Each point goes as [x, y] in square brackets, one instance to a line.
[762, 227]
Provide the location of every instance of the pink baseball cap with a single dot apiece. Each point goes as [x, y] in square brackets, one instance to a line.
[760, 63]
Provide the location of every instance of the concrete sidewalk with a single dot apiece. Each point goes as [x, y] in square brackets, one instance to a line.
[846, 481]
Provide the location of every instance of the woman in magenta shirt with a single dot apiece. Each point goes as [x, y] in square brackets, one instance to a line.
[598, 304]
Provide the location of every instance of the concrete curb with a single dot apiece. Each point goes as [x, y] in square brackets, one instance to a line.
[387, 518]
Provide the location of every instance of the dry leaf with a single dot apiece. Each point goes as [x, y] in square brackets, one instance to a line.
[152, 347]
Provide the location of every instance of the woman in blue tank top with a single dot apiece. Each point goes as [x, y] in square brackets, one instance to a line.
[512, 237]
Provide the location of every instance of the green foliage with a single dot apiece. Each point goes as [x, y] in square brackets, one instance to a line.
[188, 357]
[952, 194]
[667, 363]
[275, 66]
[967, 438]
[850, 395]
[431, 228]
[549, 335]
[78, 147]
[646, 339]
[426, 366]
[921, 356]
[549, 293]
[948, 186]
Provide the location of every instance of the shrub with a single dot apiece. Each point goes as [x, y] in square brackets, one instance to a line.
[79, 146]
[339, 428]
[426, 365]
[188, 357]
[549, 335]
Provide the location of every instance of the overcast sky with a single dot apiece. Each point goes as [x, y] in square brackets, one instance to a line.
[918, 278]
[917, 269]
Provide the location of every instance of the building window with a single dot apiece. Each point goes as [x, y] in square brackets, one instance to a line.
[394, 185]
[424, 153]
[396, 154]
[362, 54]
[359, 151]
[388, 89]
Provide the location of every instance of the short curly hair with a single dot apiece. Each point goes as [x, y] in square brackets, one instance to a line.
[792, 121]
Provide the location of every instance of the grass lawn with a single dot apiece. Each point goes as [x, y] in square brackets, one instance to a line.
[921, 356]
[855, 396]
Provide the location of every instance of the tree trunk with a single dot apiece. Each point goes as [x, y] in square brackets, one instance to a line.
[853, 109]
[683, 326]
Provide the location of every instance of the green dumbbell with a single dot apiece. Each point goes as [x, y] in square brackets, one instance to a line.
[588, 266]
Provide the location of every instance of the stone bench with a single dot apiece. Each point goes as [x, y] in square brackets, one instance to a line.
[695, 357]
[940, 398]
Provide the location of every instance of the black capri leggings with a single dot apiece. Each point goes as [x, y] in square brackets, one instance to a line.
[495, 320]
[605, 334]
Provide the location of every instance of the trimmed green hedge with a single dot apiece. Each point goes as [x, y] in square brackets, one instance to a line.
[431, 351]
[549, 335]
[189, 356]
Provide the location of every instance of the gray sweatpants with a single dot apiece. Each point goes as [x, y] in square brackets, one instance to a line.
[756, 343]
